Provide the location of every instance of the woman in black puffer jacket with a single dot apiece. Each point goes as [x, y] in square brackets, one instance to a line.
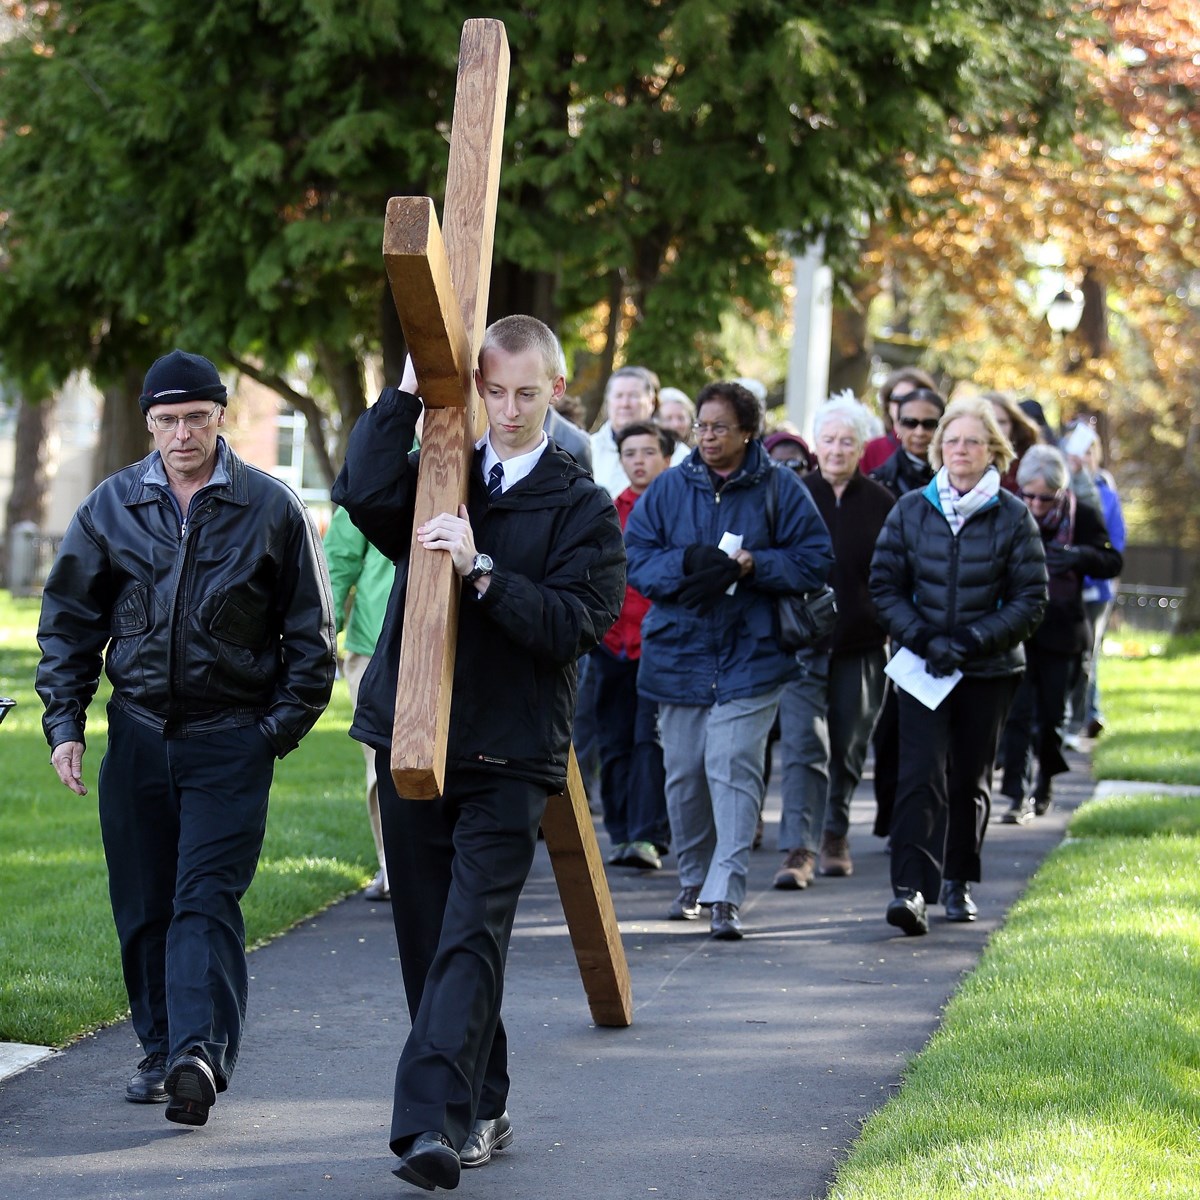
[959, 578]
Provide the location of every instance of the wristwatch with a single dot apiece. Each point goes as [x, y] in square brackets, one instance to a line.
[479, 568]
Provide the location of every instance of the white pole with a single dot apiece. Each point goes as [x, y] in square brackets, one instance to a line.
[808, 359]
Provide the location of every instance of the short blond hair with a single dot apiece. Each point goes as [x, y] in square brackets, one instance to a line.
[1000, 449]
[518, 333]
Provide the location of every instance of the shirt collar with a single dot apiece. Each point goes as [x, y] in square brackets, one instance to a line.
[515, 469]
[156, 473]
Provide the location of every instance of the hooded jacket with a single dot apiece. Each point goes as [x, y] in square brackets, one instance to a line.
[556, 587]
[733, 651]
[988, 583]
[222, 622]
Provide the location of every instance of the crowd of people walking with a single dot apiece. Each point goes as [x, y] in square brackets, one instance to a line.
[961, 536]
[664, 582]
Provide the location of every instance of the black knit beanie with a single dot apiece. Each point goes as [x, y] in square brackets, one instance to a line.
[178, 377]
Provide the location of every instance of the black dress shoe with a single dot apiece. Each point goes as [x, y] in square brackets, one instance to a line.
[146, 1085]
[685, 906]
[726, 926]
[487, 1138]
[1020, 813]
[1042, 803]
[430, 1162]
[907, 912]
[192, 1089]
[956, 896]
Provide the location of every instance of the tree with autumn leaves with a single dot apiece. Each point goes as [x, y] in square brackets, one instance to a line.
[1117, 213]
[218, 177]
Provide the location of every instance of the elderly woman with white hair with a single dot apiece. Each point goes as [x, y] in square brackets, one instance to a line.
[1077, 544]
[826, 715]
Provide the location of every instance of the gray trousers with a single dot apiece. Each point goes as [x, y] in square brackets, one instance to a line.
[825, 721]
[714, 764]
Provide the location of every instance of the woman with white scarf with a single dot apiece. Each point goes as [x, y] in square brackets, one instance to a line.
[959, 578]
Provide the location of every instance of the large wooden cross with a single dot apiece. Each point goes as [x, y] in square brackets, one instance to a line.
[440, 287]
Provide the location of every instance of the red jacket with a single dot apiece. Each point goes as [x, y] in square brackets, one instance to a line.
[624, 639]
[877, 451]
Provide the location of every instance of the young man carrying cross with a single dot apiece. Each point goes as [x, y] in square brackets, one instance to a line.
[539, 550]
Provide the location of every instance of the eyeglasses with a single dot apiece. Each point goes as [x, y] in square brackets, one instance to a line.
[953, 443]
[930, 423]
[1032, 496]
[165, 424]
[719, 430]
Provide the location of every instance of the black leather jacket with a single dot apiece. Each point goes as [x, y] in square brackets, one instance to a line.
[225, 622]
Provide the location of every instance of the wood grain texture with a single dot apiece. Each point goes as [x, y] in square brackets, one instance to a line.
[587, 903]
[473, 174]
[427, 649]
[430, 641]
[418, 270]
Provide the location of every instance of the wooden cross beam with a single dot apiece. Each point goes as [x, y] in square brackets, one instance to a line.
[440, 288]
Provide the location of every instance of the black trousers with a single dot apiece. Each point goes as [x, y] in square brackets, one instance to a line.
[456, 867]
[1031, 752]
[183, 821]
[943, 797]
[632, 779]
[886, 742]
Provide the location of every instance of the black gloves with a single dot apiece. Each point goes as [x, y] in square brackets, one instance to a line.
[705, 588]
[700, 556]
[1061, 559]
[943, 656]
[707, 572]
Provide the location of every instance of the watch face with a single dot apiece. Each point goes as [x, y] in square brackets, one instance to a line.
[483, 563]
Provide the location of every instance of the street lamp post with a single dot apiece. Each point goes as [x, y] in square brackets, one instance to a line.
[1063, 315]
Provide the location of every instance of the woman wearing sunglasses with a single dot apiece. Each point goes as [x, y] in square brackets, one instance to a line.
[918, 414]
[958, 578]
[1077, 544]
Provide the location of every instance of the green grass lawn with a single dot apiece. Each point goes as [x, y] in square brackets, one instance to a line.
[1150, 706]
[1067, 1067]
[61, 975]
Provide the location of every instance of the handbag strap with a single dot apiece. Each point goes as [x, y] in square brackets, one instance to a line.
[769, 502]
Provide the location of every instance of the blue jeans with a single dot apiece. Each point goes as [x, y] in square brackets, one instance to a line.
[183, 822]
[714, 763]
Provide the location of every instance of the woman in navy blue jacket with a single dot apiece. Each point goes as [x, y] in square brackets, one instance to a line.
[710, 642]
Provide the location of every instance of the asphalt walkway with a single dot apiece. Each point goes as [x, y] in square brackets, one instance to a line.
[747, 1072]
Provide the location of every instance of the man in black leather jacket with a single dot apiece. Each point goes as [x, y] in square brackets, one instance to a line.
[539, 550]
[200, 581]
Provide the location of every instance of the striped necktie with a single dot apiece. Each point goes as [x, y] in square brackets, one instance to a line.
[496, 481]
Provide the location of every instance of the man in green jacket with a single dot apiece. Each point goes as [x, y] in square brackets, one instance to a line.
[356, 566]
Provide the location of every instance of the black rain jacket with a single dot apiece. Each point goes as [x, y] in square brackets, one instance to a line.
[988, 583]
[556, 588]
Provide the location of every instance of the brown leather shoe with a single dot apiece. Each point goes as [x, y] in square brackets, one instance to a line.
[835, 856]
[797, 871]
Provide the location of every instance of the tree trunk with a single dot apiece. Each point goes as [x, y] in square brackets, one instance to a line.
[851, 349]
[343, 371]
[27, 500]
[124, 438]
[1093, 324]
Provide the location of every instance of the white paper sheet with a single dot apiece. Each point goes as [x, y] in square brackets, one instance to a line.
[731, 543]
[907, 671]
[1079, 440]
